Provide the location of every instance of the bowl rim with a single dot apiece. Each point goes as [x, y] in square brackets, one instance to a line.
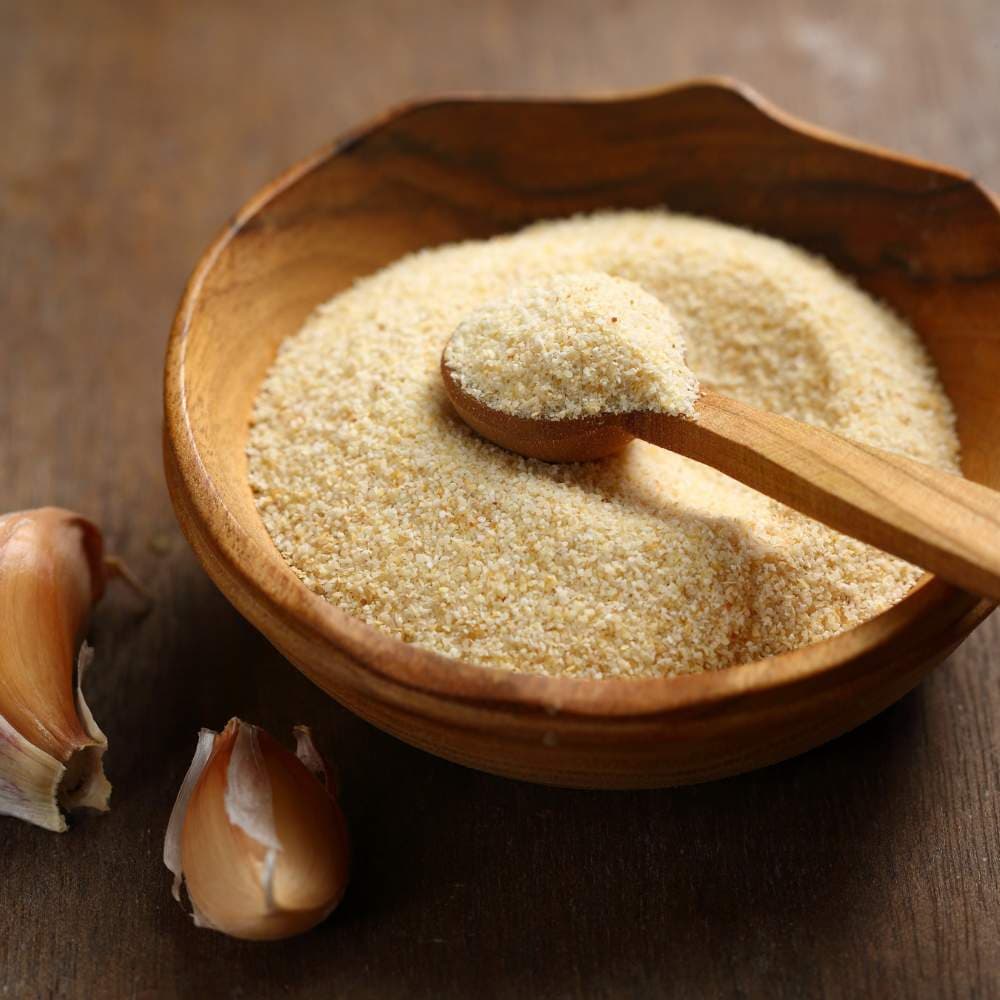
[267, 581]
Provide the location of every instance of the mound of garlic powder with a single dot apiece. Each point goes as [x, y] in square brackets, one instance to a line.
[645, 564]
[573, 346]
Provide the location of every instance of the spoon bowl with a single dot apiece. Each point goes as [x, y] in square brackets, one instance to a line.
[580, 440]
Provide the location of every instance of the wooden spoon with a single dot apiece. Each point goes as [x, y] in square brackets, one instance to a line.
[933, 519]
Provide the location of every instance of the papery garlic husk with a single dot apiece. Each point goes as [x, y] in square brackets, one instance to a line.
[257, 836]
[52, 571]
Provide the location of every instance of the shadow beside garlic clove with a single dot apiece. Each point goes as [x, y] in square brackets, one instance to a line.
[256, 835]
[53, 570]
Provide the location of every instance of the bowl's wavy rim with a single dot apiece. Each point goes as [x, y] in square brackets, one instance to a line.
[271, 582]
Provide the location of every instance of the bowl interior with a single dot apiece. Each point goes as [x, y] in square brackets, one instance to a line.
[923, 238]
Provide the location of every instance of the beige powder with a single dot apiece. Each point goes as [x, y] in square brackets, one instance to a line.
[646, 564]
[574, 346]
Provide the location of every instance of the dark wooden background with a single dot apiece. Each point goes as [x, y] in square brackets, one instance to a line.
[131, 131]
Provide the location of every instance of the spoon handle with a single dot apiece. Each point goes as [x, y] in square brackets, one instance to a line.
[933, 519]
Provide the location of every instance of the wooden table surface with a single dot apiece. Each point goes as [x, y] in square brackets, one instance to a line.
[870, 867]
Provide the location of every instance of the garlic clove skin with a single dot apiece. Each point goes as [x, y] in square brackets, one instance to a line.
[258, 839]
[29, 781]
[50, 576]
[52, 571]
[315, 762]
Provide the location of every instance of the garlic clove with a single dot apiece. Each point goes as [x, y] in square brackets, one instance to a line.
[52, 571]
[257, 838]
[50, 576]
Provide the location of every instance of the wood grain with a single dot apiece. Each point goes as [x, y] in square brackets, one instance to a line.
[869, 867]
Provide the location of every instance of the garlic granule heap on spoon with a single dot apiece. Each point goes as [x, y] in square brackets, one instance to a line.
[257, 836]
[52, 571]
[573, 346]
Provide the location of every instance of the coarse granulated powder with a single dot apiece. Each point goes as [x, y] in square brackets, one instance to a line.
[646, 564]
[573, 346]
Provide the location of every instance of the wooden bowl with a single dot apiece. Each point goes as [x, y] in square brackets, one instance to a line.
[924, 238]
